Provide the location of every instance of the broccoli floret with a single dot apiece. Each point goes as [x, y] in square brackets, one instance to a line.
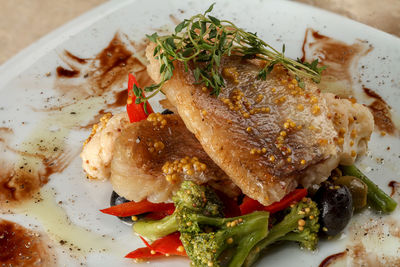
[211, 240]
[198, 199]
[217, 238]
[190, 199]
[208, 238]
[300, 225]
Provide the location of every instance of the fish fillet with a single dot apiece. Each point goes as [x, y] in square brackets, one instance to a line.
[98, 149]
[268, 136]
[152, 157]
[149, 160]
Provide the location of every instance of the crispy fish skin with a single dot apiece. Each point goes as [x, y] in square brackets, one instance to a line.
[264, 134]
[138, 167]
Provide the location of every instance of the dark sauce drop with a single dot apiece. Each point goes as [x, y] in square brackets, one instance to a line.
[64, 73]
[120, 99]
[21, 247]
[394, 185]
[330, 259]
[109, 68]
[19, 184]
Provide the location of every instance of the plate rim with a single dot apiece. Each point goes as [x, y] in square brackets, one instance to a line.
[30, 54]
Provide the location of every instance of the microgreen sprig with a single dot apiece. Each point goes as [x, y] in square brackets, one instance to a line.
[203, 40]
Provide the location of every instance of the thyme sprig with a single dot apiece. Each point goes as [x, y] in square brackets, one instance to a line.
[203, 40]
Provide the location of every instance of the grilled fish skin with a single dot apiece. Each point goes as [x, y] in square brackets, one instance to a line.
[268, 136]
[152, 158]
[137, 173]
[149, 159]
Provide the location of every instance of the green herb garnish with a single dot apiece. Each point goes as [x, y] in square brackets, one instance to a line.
[203, 40]
[313, 66]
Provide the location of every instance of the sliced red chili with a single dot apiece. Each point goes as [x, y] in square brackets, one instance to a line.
[143, 253]
[136, 112]
[136, 208]
[170, 244]
[294, 196]
[145, 242]
[158, 215]
[249, 205]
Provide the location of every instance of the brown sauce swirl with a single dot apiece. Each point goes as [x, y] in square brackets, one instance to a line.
[105, 73]
[76, 58]
[5, 130]
[381, 112]
[120, 99]
[21, 182]
[340, 58]
[116, 61]
[331, 259]
[4, 133]
[64, 73]
[394, 185]
[17, 185]
[23, 247]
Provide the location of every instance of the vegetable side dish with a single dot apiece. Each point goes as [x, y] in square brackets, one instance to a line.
[255, 155]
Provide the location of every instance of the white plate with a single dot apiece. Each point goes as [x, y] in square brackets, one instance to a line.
[23, 79]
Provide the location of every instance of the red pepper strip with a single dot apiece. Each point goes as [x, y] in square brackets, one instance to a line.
[159, 214]
[135, 111]
[170, 244]
[143, 253]
[145, 242]
[231, 208]
[294, 196]
[136, 208]
[249, 205]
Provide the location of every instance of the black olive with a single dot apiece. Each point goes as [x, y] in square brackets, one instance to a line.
[336, 207]
[116, 200]
[167, 111]
[358, 190]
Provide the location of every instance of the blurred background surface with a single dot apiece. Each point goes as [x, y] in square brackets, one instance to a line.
[22, 22]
